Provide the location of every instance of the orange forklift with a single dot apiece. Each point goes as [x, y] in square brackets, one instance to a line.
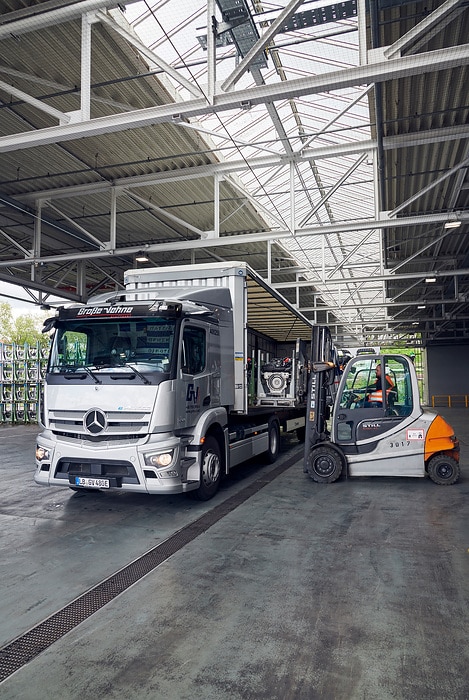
[368, 421]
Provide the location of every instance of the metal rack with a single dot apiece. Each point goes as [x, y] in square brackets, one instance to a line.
[22, 371]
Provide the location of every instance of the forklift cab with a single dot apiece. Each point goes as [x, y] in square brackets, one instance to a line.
[375, 388]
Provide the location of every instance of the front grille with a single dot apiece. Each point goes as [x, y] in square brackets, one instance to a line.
[80, 439]
[70, 422]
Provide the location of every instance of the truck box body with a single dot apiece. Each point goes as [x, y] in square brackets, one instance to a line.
[138, 380]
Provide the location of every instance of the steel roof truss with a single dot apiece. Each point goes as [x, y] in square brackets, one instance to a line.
[432, 23]
[335, 80]
[61, 117]
[463, 164]
[73, 223]
[27, 253]
[149, 205]
[273, 160]
[149, 54]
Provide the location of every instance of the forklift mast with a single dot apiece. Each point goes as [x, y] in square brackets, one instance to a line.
[322, 388]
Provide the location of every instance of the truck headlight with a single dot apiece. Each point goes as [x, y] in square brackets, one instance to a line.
[160, 460]
[42, 453]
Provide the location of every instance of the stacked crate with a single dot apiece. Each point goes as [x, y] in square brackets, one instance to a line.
[22, 371]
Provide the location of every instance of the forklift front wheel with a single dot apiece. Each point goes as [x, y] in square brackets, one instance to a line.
[443, 470]
[325, 463]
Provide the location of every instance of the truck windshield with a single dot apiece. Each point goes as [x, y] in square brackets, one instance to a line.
[106, 344]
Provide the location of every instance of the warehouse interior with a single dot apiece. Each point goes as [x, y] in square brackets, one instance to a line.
[324, 144]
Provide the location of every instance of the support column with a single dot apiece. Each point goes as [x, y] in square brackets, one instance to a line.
[216, 205]
[36, 251]
[113, 222]
[85, 87]
[211, 50]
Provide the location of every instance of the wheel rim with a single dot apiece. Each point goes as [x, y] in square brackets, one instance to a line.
[210, 468]
[444, 471]
[324, 465]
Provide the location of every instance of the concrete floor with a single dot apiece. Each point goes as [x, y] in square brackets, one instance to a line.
[354, 590]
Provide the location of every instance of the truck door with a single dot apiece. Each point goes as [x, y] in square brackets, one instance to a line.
[375, 397]
[193, 375]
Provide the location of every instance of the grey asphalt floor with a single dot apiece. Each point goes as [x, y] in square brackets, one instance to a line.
[348, 591]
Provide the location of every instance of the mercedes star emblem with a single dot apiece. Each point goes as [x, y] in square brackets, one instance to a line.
[95, 421]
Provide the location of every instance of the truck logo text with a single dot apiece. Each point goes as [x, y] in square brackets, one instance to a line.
[100, 310]
[192, 394]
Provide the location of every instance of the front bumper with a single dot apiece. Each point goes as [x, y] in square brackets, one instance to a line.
[124, 468]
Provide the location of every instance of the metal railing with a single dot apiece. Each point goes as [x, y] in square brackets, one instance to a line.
[450, 400]
[22, 369]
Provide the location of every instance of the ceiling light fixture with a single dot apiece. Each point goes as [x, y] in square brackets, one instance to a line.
[141, 257]
[453, 224]
[428, 280]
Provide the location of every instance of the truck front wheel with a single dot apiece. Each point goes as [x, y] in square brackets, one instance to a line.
[443, 470]
[210, 470]
[325, 463]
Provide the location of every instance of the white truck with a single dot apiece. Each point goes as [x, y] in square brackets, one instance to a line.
[166, 386]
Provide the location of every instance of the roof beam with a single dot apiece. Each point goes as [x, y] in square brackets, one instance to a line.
[47, 14]
[224, 168]
[239, 240]
[149, 54]
[260, 94]
[463, 164]
[421, 29]
[42, 106]
[38, 287]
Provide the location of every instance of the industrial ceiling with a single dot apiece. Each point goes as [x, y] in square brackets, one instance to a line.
[326, 144]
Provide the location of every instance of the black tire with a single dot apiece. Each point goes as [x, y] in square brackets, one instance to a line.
[443, 470]
[325, 463]
[210, 470]
[274, 441]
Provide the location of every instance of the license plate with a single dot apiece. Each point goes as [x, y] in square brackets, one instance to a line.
[91, 483]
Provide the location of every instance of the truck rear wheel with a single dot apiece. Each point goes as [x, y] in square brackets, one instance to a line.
[325, 463]
[443, 470]
[210, 470]
[274, 441]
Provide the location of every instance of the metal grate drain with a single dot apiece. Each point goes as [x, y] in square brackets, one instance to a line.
[25, 648]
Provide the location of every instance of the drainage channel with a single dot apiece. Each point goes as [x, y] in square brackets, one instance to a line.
[25, 648]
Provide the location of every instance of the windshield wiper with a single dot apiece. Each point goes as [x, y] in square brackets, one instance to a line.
[74, 372]
[92, 375]
[121, 375]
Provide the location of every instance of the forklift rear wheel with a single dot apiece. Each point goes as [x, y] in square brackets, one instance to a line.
[325, 464]
[443, 470]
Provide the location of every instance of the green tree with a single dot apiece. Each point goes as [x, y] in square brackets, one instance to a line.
[6, 322]
[25, 328]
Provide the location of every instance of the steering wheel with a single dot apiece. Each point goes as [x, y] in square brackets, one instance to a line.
[353, 396]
